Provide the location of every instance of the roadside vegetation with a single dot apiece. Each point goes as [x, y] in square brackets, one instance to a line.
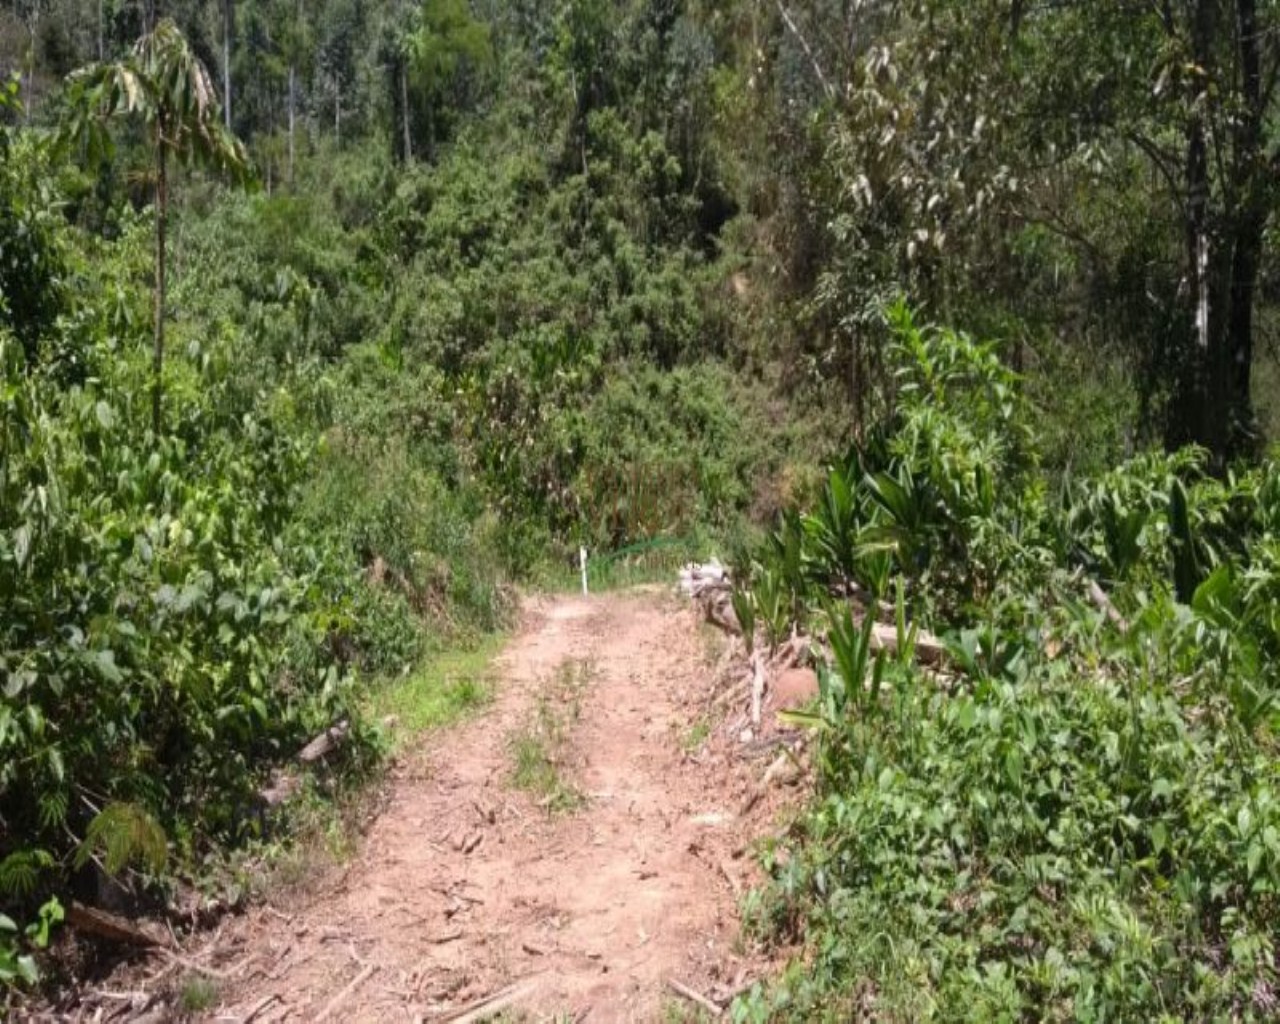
[1076, 816]
[324, 328]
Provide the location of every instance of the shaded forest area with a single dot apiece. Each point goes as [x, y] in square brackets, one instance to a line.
[324, 325]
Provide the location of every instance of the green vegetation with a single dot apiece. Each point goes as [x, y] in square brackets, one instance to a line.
[449, 289]
[442, 689]
[1078, 819]
[198, 993]
[539, 749]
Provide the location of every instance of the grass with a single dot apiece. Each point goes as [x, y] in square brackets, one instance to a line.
[678, 1011]
[443, 689]
[539, 750]
[696, 735]
[198, 993]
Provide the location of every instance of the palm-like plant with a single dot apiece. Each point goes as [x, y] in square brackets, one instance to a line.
[166, 86]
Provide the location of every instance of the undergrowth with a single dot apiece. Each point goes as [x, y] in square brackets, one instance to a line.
[445, 687]
[1076, 816]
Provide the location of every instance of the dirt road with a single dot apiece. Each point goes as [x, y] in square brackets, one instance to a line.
[583, 896]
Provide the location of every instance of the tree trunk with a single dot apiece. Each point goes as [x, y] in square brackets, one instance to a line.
[162, 213]
[102, 53]
[404, 110]
[30, 62]
[292, 117]
[228, 26]
[1248, 227]
[1204, 418]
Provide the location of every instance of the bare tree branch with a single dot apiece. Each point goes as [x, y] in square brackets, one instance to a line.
[808, 51]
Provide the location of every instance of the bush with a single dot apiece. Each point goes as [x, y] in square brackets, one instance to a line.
[1079, 819]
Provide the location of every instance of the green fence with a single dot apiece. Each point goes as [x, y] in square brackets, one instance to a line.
[657, 560]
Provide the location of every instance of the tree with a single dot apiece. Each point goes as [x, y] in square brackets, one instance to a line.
[228, 32]
[427, 52]
[167, 87]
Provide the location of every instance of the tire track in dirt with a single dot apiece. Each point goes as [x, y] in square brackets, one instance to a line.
[597, 908]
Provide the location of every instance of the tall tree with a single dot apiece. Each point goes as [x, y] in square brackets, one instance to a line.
[228, 32]
[445, 39]
[163, 84]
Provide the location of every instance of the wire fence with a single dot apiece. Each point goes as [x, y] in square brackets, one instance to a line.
[656, 560]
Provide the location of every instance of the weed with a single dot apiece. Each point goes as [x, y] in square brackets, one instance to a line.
[677, 1011]
[539, 750]
[696, 735]
[198, 993]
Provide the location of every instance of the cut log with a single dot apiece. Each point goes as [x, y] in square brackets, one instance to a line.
[929, 649]
[99, 923]
[324, 744]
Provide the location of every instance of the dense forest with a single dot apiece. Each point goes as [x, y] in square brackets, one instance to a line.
[325, 326]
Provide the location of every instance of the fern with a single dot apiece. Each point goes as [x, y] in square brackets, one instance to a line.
[52, 807]
[124, 833]
[20, 871]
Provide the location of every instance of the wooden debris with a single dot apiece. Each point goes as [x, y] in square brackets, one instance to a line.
[198, 968]
[96, 922]
[731, 878]
[327, 742]
[749, 803]
[775, 772]
[696, 580]
[928, 649]
[488, 1006]
[709, 586]
[259, 1007]
[365, 974]
[713, 1008]
[1099, 597]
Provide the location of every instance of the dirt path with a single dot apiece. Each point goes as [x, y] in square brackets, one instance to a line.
[466, 885]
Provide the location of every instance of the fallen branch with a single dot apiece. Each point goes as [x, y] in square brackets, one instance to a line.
[198, 968]
[489, 1005]
[108, 926]
[365, 974]
[808, 51]
[1099, 597]
[258, 1007]
[715, 1009]
[732, 879]
[772, 774]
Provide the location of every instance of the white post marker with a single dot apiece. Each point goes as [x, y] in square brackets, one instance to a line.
[582, 564]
